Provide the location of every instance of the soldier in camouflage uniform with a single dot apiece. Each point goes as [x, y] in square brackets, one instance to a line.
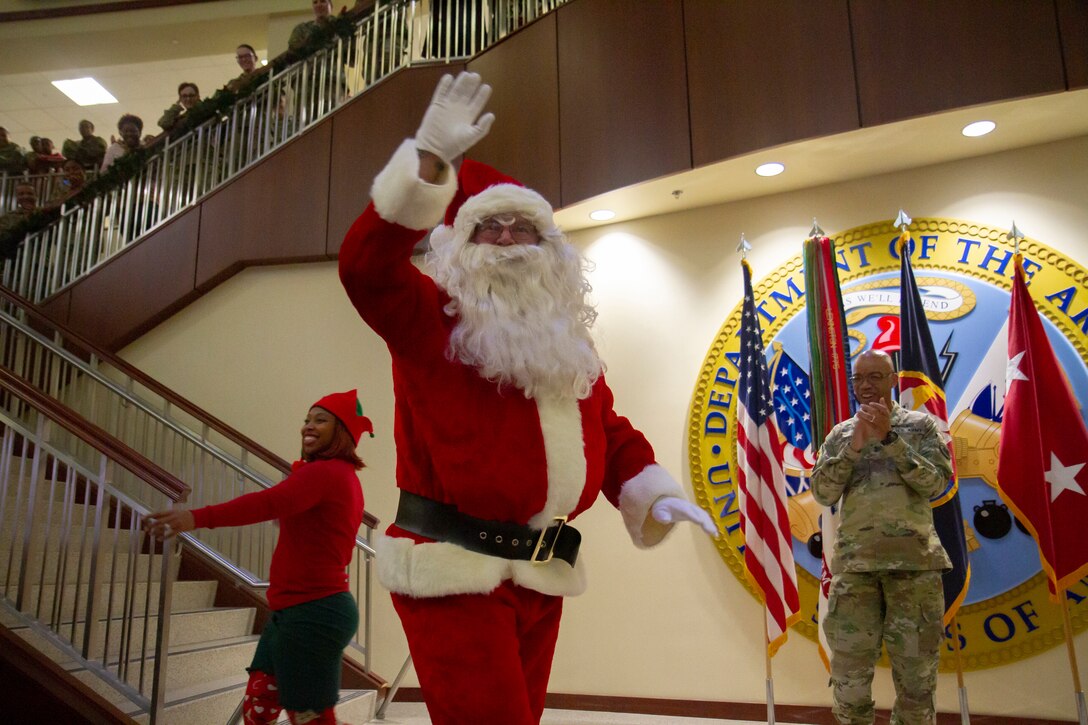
[882, 466]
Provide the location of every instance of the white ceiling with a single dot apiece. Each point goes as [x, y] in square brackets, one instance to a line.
[140, 56]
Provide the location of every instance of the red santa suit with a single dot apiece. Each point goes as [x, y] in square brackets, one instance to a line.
[481, 628]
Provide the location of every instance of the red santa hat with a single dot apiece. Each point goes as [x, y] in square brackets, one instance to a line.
[349, 411]
[483, 192]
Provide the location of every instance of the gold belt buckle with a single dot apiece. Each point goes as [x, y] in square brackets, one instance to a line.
[540, 540]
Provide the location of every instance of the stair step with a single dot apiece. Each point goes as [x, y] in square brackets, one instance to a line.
[354, 706]
[186, 628]
[214, 700]
[193, 668]
[43, 569]
[186, 596]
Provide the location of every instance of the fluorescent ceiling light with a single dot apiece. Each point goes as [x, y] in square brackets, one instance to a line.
[602, 215]
[772, 168]
[978, 128]
[85, 91]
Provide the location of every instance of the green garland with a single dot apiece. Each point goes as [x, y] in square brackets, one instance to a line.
[218, 105]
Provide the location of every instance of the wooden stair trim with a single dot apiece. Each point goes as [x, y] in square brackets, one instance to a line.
[65, 691]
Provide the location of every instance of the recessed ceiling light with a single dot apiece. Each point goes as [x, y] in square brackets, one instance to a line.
[85, 91]
[978, 128]
[770, 169]
[602, 215]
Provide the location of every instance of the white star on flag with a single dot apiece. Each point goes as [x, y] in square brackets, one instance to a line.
[1012, 370]
[1062, 478]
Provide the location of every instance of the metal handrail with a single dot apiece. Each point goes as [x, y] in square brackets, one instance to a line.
[45, 186]
[107, 396]
[395, 35]
[89, 535]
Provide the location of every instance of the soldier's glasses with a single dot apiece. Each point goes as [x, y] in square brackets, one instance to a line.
[871, 378]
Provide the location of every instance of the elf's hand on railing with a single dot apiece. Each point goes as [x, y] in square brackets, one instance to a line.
[165, 524]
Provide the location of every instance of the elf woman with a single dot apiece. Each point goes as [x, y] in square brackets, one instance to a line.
[319, 507]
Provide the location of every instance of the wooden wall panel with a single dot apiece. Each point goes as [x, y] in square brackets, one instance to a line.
[276, 212]
[140, 287]
[1073, 25]
[366, 133]
[915, 57]
[524, 141]
[57, 306]
[623, 109]
[766, 73]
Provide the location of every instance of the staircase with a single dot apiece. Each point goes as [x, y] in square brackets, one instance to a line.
[88, 445]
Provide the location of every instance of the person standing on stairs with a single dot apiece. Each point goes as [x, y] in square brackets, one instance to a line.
[320, 508]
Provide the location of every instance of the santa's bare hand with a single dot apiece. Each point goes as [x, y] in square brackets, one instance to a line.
[672, 508]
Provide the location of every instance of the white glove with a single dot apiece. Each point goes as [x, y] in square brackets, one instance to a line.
[672, 508]
[452, 123]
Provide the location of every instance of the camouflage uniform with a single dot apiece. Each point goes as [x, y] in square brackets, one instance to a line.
[887, 564]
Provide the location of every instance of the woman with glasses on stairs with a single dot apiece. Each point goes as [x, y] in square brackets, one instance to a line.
[320, 508]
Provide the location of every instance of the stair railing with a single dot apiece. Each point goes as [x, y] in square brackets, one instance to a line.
[217, 462]
[392, 36]
[74, 566]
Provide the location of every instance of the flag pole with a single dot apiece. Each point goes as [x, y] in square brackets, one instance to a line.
[965, 713]
[1078, 693]
[767, 659]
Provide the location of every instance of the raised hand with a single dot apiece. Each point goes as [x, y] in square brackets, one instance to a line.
[452, 123]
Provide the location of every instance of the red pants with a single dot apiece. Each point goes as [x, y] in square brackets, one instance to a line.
[482, 659]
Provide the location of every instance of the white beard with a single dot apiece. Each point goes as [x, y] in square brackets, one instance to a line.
[523, 319]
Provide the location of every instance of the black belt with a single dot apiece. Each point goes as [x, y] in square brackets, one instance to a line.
[443, 522]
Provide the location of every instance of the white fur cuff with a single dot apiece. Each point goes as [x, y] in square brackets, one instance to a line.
[401, 197]
[637, 495]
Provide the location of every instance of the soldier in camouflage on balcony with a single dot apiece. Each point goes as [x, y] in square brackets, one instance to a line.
[881, 467]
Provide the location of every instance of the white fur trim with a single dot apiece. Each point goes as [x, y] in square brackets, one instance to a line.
[439, 569]
[401, 197]
[564, 450]
[505, 199]
[637, 495]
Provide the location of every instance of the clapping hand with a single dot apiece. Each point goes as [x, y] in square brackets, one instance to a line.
[874, 420]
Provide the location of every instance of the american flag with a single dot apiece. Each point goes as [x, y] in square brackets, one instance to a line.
[792, 409]
[768, 553]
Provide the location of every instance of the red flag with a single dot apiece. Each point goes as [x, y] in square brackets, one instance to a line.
[1042, 473]
[768, 552]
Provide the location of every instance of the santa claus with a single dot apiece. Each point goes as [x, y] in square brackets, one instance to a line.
[504, 426]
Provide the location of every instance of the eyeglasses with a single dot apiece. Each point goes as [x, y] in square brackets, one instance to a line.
[243, 56]
[871, 378]
[521, 231]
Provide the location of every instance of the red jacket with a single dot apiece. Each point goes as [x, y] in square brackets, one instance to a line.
[320, 509]
[491, 452]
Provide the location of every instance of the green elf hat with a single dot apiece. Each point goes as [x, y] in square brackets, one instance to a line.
[349, 411]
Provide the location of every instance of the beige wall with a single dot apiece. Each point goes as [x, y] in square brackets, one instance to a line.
[671, 622]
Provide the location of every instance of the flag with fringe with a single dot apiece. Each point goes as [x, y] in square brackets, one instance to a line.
[921, 388]
[1042, 468]
[768, 542]
[829, 373]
